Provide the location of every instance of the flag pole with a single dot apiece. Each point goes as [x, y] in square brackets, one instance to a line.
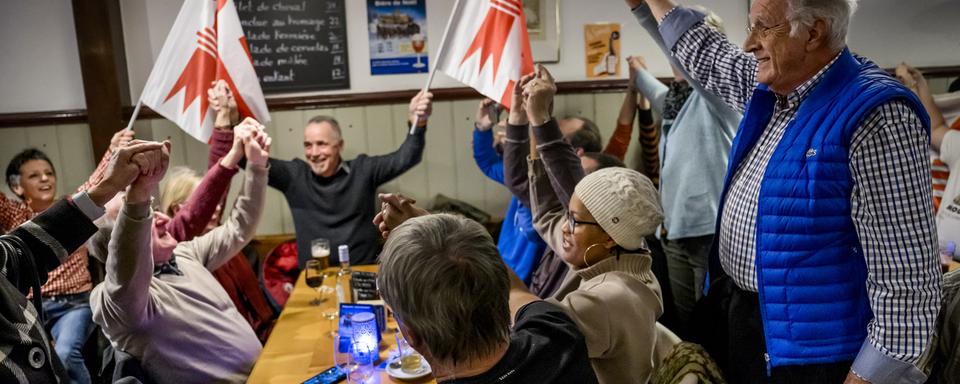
[433, 70]
[136, 111]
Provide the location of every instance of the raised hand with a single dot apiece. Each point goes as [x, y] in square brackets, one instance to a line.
[636, 64]
[421, 106]
[123, 169]
[257, 148]
[247, 129]
[153, 165]
[485, 118]
[518, 112]
[538, 96]
[905, 77]
[120, 139]
[223, 102]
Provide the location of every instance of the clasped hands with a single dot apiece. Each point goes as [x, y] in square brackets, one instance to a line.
[394, 210]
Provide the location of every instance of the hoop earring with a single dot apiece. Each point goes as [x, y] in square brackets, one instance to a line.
[588, 251]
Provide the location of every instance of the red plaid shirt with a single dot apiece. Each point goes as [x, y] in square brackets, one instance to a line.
[72, 276]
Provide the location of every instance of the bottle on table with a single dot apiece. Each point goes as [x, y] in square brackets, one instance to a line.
[344, 277]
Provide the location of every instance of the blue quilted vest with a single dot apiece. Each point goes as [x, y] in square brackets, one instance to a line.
[811, 271]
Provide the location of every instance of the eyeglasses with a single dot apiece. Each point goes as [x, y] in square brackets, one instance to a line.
[573, 222]
[762, 31]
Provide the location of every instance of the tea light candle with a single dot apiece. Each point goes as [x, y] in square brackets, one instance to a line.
[364, 335]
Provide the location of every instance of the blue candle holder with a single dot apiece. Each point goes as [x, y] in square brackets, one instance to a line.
[365, 337]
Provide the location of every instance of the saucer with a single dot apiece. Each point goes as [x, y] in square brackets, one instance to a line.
[398, 373]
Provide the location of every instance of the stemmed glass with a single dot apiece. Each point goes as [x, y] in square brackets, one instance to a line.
[418, 43]
[330, 314]
[314, 276]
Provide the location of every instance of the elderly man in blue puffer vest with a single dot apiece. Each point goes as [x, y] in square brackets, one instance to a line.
[825, 257]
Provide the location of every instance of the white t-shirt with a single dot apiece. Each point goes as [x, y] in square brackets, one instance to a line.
[948, 217]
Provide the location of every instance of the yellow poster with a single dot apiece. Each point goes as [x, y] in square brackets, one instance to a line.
[602, 47]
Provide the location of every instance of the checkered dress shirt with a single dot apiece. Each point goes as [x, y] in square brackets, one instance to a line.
[891, 205]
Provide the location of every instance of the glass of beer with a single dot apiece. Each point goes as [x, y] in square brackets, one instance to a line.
[418, 43]
[320, 250]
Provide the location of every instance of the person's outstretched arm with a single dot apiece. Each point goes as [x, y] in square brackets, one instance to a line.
[387, 167]
[222, 243]
[484, 154]
[516, 145]
[123, 296]
[705, 55]
[559, 158]
[914, 79]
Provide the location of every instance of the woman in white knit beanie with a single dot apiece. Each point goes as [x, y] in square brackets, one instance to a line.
[610, 290]
[611, 211]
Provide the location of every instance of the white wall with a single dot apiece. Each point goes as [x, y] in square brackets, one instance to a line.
[40, 69]
[923, 33]
[144, 37]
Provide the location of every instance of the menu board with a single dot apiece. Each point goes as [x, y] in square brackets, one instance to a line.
[297, 45]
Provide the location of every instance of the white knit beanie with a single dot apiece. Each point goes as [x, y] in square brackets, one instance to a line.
[624, 202]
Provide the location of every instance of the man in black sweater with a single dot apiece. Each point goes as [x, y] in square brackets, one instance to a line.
[334, 198]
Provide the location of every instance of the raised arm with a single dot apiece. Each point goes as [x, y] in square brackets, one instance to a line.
[548, 213]
[387, 167]
[227, 116]
[619, 141]
[913, 79]
[484, 154]
[516, 146]
[120, 139]
[219, 245]
[124, 294]
[705, 55]
[559, 159]
[191, 220]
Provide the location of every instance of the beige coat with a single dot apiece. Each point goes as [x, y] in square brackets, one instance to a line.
[615, 302]
[183, 329]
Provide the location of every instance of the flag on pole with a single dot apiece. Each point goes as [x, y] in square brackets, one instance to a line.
[206, 44]
[487, 47]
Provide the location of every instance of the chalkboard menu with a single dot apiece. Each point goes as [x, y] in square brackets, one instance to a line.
[297, 45]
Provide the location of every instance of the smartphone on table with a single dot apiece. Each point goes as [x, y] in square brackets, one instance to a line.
[330, 376]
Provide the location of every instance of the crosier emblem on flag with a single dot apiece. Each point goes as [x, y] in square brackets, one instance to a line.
[486, 46]
[205, 44]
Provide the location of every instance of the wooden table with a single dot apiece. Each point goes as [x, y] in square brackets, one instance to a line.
[299, 347]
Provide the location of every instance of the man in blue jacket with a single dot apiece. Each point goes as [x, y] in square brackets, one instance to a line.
[519, 244]
[825, 252]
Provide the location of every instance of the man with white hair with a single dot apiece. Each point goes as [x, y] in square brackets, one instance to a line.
[825, 265]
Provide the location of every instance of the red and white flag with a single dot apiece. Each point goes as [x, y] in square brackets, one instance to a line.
[487, 47]
[206, 44]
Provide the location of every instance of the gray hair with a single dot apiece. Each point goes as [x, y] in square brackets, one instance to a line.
[835, 13]
[320, 119]
[443, 278]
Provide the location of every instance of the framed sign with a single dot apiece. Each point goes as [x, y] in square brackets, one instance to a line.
[543, 26]
[398, 36]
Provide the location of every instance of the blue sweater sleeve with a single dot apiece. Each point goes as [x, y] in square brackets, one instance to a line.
[485, 156]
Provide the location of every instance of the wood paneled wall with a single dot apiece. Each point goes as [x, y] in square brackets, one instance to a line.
[447, 167]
